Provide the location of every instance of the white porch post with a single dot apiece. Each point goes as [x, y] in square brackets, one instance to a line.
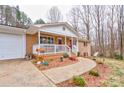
[39, 41]
[77, 46]
[55, 49]
[72, 43]
[65, 44]
[65, 41]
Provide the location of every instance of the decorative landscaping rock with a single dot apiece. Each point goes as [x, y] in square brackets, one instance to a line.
[39, 62]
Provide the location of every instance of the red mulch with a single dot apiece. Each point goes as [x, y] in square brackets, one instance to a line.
[91, 81]
[55, 63]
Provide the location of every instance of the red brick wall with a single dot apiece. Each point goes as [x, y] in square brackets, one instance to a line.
[85, 50]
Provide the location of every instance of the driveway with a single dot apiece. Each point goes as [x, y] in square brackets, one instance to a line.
[21, 73]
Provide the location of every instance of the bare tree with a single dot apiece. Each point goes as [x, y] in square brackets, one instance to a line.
[85, 14]
[111, 19]
[98, 23]
[106, 24]
[54, 14]
[8, 15]
[81, 19]
[74, 18]
[120, 29]
[2, 15]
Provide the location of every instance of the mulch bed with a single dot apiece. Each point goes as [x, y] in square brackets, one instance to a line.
[91, 81]
[55, 63]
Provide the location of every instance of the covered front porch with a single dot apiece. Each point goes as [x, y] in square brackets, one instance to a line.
[56, 43]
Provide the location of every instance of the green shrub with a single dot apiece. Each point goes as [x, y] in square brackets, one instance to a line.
[34, 61]
[45, 63]
[79, 81]
[94, 59]
[94, 73]
[99, 62]
[65, 55]
[78, 54]
[118, 56]
[61, 59]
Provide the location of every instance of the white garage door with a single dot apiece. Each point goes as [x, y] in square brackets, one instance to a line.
[12, 46]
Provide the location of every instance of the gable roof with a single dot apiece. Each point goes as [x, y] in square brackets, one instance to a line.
[33, 28]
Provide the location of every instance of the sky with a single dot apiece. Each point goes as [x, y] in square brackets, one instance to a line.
[40, 11]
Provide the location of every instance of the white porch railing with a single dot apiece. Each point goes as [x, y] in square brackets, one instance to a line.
[74, 49]
[52, 48]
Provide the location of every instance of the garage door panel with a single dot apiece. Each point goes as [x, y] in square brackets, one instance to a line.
[11, 46]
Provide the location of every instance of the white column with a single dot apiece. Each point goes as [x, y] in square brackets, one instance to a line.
[65, 44]
[38, 40]
[65, 41]
[77, 45]
[55, 49]
[72, 42]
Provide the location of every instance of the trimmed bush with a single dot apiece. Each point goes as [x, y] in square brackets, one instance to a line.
[117, 56]
[39, 58]
[94, 59]
[99, 62]
[94, 73]
[34, 61]
[79, 81]
[65, 55]
[73, 58]
[45, 63]
[78, 54]
[61, 59]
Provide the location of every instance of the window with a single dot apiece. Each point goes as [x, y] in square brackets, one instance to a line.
[46, 40]
[85, 43]
[85, 54]
[43, 40]
[50, 40]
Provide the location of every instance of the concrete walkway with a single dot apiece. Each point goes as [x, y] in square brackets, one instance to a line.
[61, 74]
[22, 73]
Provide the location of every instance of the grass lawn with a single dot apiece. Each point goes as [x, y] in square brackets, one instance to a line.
[116, 77]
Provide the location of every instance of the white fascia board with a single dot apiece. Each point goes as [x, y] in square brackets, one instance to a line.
[59, 33]
[12, 30]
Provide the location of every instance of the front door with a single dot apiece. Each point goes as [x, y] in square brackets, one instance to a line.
[59, 40]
